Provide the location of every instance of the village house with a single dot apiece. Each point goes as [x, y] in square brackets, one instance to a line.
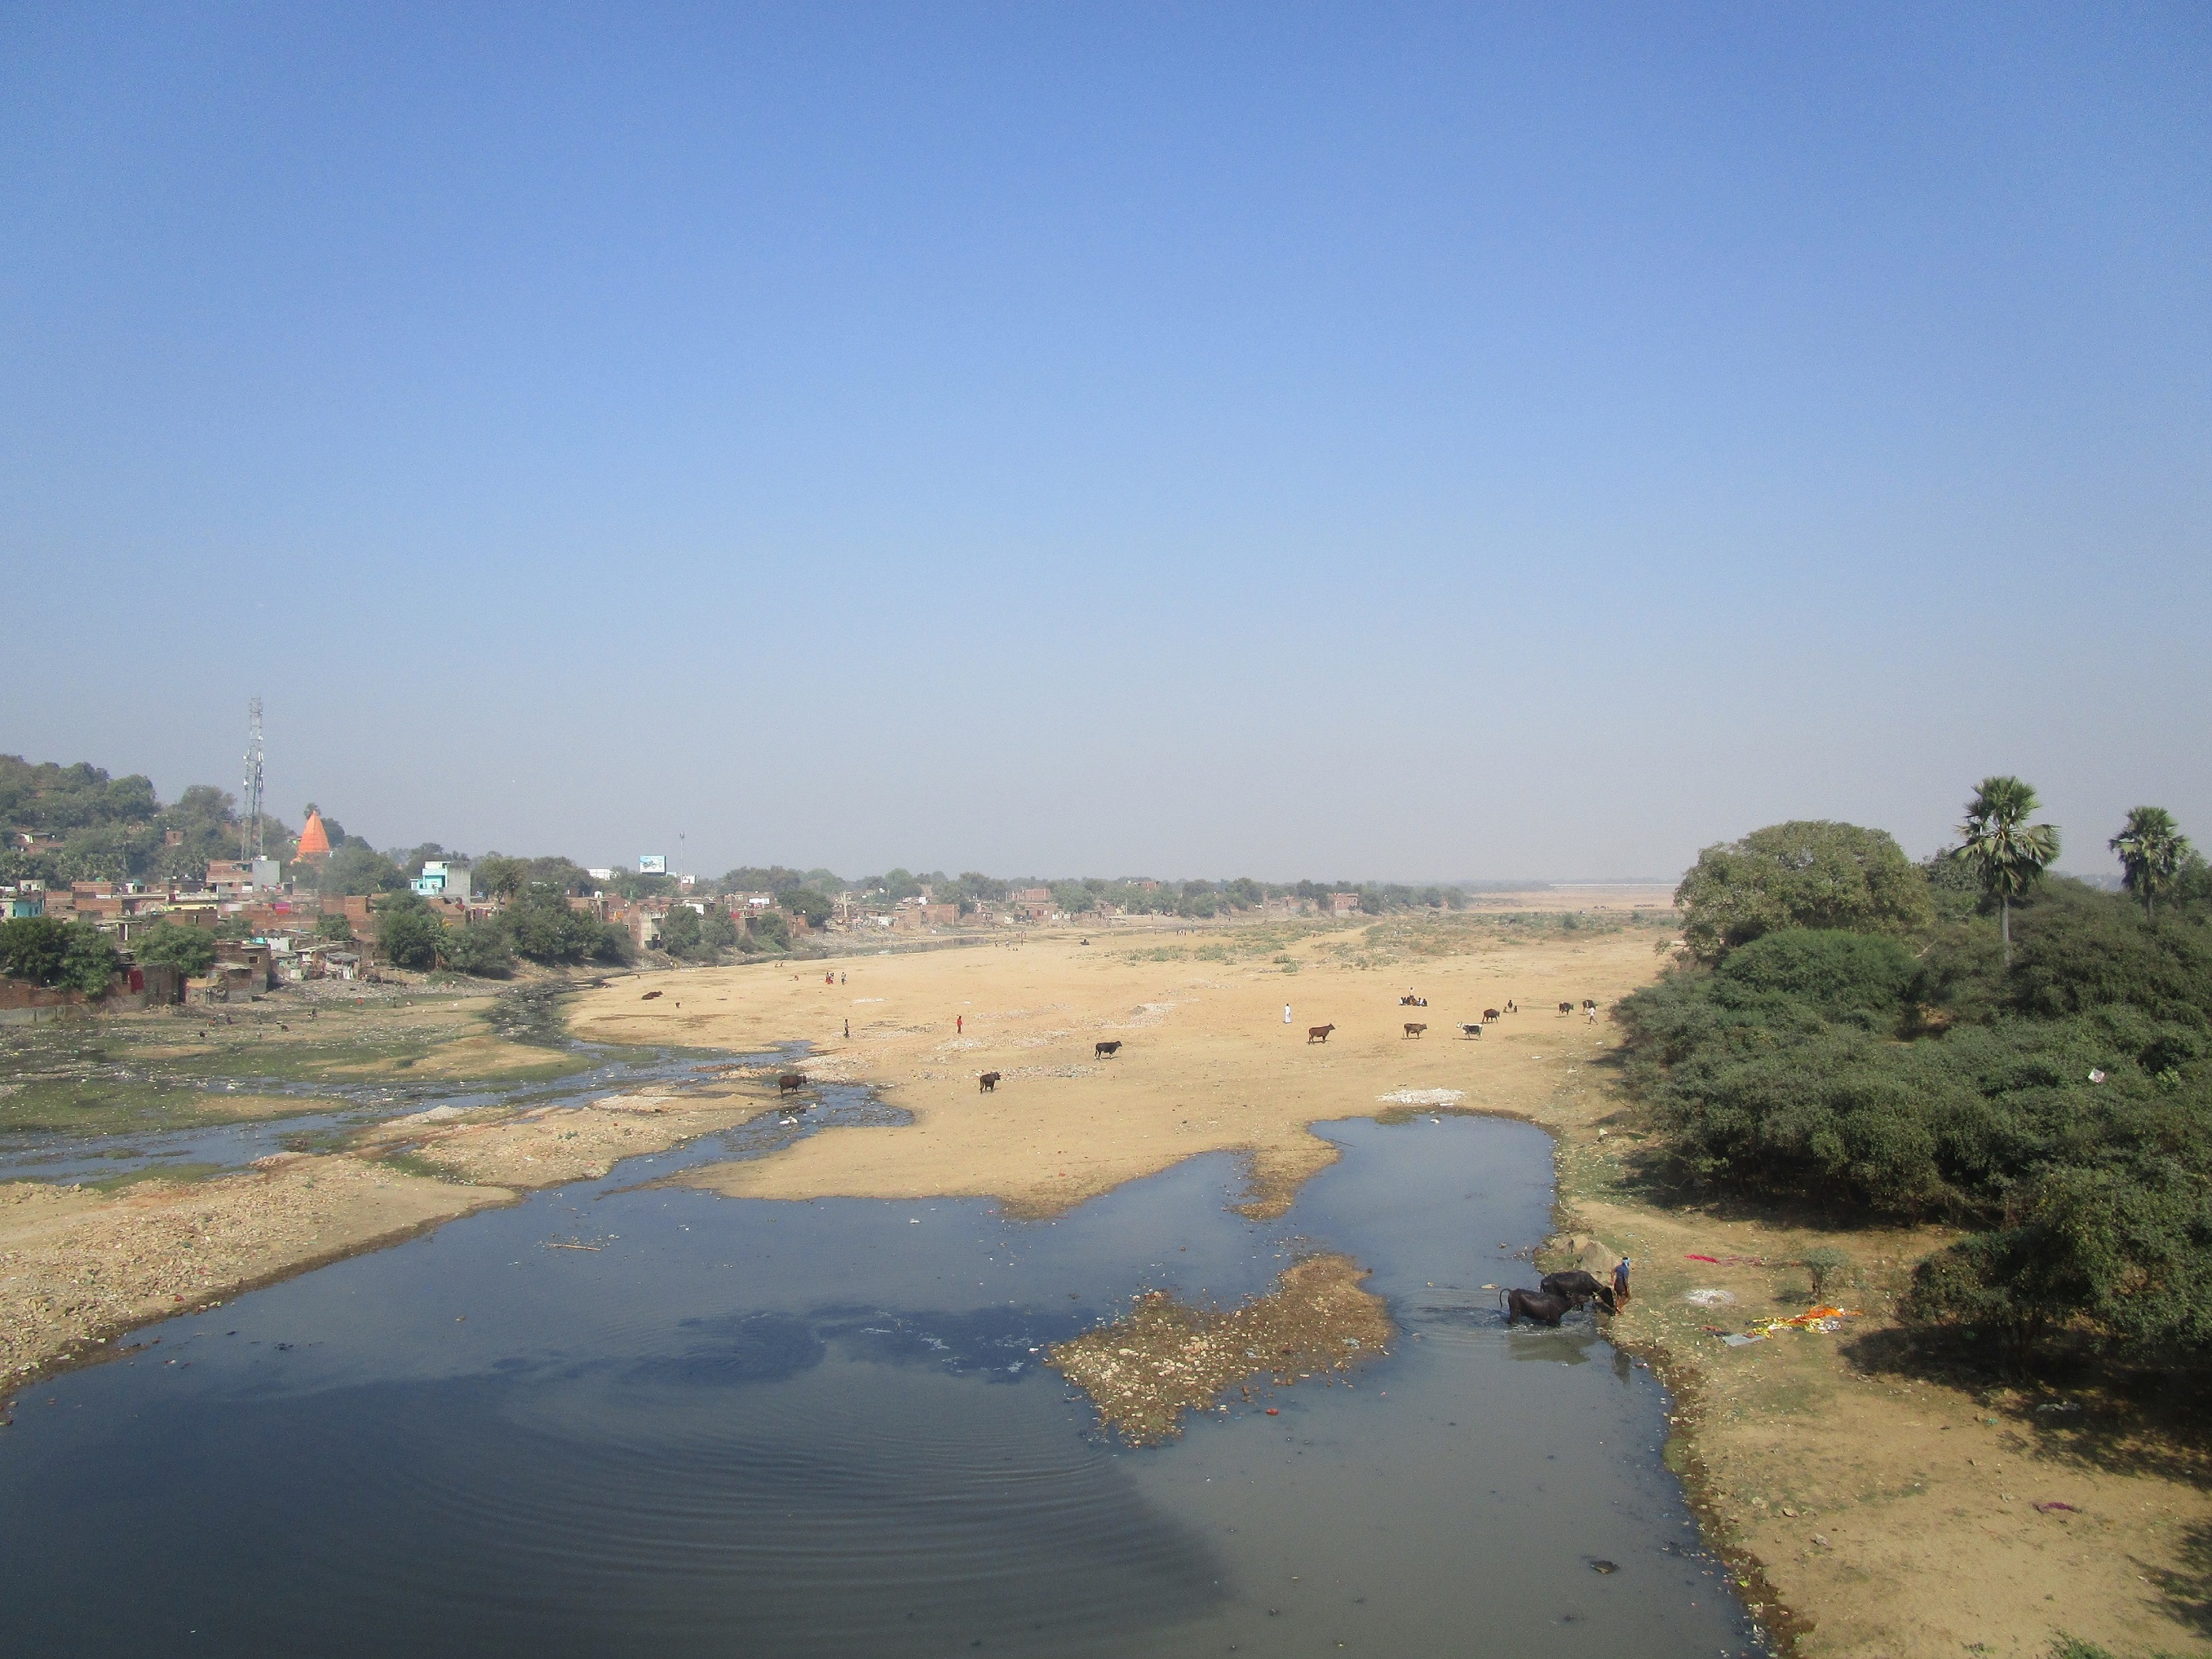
[1344, 904]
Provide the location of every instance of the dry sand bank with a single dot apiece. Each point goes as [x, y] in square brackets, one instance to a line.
[1874, 1513]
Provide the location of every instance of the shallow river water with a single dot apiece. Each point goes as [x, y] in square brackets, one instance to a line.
[747, 1427]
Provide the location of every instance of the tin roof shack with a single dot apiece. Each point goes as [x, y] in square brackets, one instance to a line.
[249, 960]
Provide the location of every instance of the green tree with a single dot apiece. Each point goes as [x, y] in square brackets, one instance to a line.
[716, 930]
[89, 961]
[804, 901]
[359, 868]
[543, 927]
[336, 928]
[2152, 850]
[189, 949]
[480, 948]
[1805, 873]
[32, 948]
[679, 932]
[500, 877]
[407, 933]
[2006, 853]
[770, 929]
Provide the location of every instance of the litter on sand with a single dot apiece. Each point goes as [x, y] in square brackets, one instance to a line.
[1727, 1261]
[1813, 1319]
[1709, 1298]
[2058, 1504]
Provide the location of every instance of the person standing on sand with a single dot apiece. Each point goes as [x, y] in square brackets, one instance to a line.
[959, 1024]
[1286, 1014]
[1621, 1281]
[848, 1028]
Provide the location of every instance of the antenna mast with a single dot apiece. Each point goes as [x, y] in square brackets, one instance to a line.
[249, 830]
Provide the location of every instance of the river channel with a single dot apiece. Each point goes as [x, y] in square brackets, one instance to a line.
[622, 1417]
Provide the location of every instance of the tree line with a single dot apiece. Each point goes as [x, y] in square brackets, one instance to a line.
[1971, 1039]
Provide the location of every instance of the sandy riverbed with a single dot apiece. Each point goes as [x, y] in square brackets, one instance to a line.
[1888, 1514]
[1875, 1512]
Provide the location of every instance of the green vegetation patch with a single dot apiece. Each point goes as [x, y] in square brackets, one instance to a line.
[2050, 1091]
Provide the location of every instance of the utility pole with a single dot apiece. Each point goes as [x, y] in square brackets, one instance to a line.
[249, 828]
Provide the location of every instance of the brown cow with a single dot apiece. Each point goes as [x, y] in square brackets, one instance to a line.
[1489, 1015]
[790, 1082]
[1103, 1050]
[1318, 1033]
[988, 1082]
[649, 996]
[1414, 1029]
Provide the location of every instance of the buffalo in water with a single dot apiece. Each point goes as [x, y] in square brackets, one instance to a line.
[1576, 1283]
[790, 1082]
[1535, 1306]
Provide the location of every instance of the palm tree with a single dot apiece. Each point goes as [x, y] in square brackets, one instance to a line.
[2151, 847]
[2008, 854]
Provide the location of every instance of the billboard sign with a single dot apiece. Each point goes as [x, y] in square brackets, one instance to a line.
[653, 864]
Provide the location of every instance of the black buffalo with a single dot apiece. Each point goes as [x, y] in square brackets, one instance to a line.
[1576, 1283]
[988, 1082]
[1536, 1306]
[1101, 1050]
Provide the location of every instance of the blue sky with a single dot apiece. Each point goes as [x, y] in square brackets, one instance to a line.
[1385, 441]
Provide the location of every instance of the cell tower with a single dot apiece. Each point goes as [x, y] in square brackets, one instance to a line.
[249, 828]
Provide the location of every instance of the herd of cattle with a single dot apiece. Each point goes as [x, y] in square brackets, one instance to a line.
[1467, 1028]
[1555, 1297]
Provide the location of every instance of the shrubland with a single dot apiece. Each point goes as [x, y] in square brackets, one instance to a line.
[1891, 1056]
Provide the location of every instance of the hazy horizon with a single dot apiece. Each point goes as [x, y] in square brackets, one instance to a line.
[1243, 442]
